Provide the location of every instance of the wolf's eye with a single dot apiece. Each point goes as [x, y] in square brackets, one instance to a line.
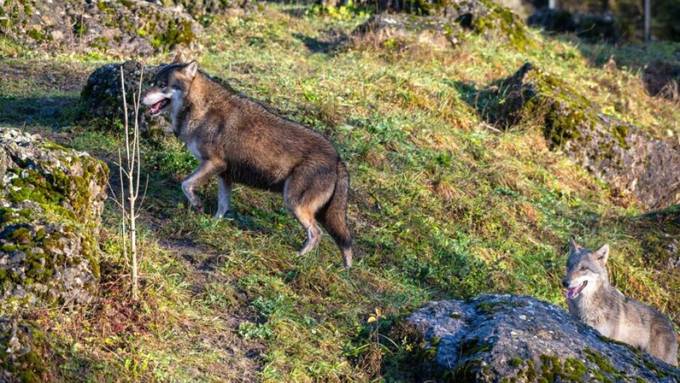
[583, 268]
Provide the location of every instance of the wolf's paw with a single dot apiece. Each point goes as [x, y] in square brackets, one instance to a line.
[220, 215]
[313, 239]
[197, 207]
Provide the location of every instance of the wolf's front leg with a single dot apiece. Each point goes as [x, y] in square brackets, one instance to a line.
[223, 194]
[198, 178]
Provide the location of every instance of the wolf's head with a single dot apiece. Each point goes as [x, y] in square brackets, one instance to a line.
[171, 86]
[586, 270]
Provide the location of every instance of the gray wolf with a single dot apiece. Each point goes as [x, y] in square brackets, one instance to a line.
[239, 140]
[594, 301]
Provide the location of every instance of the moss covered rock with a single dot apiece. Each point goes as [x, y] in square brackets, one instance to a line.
[662, 79]
[126, 27]
[445, 23]
[629, 160]
[21, 343]
[102, 96]
[50, 205]
[51, 199]
[505, 338]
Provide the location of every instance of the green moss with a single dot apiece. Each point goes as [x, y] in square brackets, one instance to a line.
[474, 346]
[37, 35]
[507, 23]
[466, 372]
[21, 235]
[490, 308]
[29, 367]
[620, 132]
[552, 369]
[65, 204]
[575, 369]
[597, 358]
[515, 362]
[607, 372]
[174, 34]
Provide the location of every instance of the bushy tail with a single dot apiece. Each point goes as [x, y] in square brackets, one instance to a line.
[333, 216]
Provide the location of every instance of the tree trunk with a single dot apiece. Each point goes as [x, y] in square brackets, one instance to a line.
[648, 20]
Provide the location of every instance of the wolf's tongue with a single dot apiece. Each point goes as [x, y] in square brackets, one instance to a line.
[571, 292]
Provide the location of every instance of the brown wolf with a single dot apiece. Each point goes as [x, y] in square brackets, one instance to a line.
[598, 304]
[240, 140]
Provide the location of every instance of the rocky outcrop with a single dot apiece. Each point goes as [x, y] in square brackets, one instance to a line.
[132, 27]
[102, 96]
[662, 79]
[445, 24]
[51, 199]
[495, 338]
[629, 160]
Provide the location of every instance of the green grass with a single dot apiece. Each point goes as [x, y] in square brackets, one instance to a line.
[441, 207]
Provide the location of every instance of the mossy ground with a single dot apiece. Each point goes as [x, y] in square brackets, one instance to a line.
[442, 207]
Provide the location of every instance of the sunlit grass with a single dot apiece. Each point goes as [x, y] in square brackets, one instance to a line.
[442, 206]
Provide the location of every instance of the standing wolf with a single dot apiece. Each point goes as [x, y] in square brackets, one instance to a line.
[594, 301]
[239, 140]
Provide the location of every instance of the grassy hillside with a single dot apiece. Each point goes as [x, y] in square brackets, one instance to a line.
[442, 204]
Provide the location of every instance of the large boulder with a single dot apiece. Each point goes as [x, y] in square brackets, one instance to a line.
[51, 199]
[631, 161]
[505, 338]
[102, 96]
[445, 23]
[662, 79]
[125, 27]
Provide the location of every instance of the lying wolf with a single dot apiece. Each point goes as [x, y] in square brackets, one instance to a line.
[595, 302]
[239, 140]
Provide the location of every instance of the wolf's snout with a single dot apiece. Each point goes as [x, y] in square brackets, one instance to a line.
[156, 100]
[565, 283]
[151, 96]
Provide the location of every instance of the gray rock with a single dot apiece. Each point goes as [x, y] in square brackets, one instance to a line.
[141, 27]
[495, 338]
[444, 24]
[51, 200]
[662, 79]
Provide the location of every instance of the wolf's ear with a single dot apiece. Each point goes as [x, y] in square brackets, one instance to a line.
[602, 254]
[573, 246]
[179, 58]
[191, 69]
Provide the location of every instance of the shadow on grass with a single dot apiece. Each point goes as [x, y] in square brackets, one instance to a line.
[327, 46]
[163, 198]
[295, 10]
[500, 103]
[50, 111]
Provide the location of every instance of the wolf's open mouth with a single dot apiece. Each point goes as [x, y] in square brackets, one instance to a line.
[574, 292]
[157, 107]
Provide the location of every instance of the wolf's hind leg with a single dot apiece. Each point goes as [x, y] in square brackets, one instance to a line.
[305, 192]
[198, 178]
[223, 194]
